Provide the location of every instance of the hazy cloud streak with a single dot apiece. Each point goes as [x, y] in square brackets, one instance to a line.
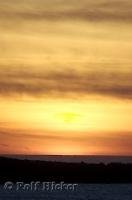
[63, 10]
[116, 84]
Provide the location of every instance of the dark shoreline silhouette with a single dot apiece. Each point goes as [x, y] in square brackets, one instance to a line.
[95, 159]
[30, 170]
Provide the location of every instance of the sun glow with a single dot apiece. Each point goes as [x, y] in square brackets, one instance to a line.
[68, 117]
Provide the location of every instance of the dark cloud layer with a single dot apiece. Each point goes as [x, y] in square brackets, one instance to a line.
[111, 83]
[84, 10]
[16, 81]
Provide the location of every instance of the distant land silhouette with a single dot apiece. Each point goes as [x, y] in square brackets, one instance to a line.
[12, 169]
[76, 158]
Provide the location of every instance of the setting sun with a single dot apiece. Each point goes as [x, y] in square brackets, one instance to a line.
[68, 117]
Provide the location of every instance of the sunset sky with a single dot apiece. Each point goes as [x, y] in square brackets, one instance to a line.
[66, 77]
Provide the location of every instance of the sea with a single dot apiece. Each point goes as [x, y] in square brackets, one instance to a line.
[82, 192]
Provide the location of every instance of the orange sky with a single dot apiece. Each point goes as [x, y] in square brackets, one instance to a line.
[65, 77]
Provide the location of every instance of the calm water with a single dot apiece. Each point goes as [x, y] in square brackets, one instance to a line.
[82, 192]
